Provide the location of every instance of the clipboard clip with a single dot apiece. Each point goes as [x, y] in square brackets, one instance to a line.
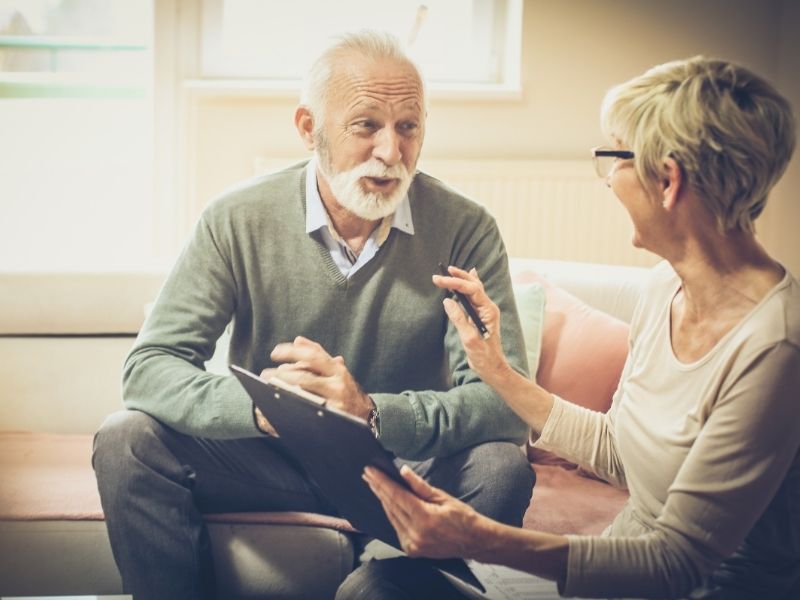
[297, 391]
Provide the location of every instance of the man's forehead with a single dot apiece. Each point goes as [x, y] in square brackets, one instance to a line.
[371, 85]
[368, 101]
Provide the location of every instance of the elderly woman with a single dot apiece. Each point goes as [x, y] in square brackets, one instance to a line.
[704, 429]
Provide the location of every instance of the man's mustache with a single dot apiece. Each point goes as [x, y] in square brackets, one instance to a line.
[375, 168]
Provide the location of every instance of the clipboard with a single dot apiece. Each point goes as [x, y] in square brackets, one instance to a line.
[334, 447]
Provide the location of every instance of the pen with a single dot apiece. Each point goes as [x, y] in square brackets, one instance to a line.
[467, 306]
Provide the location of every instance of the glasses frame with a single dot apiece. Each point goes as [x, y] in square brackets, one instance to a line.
[603, 152]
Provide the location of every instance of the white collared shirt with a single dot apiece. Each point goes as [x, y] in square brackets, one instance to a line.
[317, 219]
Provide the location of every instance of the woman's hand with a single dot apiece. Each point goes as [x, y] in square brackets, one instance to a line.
[485, 356]
[428, 521]
[431, 523]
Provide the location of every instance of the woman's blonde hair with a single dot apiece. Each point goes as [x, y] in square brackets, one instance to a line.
[730, 131]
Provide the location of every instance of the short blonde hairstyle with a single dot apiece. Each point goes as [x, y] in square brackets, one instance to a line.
[730, 131]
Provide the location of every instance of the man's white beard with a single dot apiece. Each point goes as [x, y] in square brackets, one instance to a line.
[372, 206]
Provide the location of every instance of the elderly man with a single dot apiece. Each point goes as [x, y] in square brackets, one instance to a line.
[325, 270]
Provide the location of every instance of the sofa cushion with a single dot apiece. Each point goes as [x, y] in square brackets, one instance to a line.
[53, 540]
[49, 477]
[565, 501]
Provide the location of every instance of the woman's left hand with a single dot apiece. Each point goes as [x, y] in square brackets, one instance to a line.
[485, 356]
[429, 522]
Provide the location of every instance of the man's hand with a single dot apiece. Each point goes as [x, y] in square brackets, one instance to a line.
[261, 421]
[307, 364]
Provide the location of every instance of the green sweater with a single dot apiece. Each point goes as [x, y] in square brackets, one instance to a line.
[250, 260]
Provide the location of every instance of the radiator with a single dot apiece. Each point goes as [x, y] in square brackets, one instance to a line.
[545, 209]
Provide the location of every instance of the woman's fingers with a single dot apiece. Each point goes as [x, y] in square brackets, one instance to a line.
[465, 286]
[405, 511]
[465, 282]
[466, 330]
[395, 499]
[419, 486]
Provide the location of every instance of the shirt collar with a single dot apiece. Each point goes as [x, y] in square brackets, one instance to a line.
[317, 216]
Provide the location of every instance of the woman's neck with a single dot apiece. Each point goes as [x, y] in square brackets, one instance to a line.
[724, 270]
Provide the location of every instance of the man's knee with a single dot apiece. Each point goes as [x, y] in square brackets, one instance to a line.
[507, 481]
[505, 465]
[122, 435]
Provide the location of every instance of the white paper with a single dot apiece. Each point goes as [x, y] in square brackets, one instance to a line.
[504, 583]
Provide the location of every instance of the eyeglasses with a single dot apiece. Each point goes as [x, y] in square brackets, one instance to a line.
[605, 158]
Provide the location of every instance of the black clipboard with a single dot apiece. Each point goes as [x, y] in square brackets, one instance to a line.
[334, 447]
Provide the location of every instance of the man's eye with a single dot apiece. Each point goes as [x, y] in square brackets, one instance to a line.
[366, 125]
[408, 127]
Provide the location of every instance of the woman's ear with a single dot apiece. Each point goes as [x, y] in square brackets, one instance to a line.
[304, 122]
[672, 183]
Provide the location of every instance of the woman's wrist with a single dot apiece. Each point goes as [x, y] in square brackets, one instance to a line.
[498, 374]
[539, 553]
[488, 539]
[527, 398]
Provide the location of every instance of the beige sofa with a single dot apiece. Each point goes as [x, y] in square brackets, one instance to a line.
[62, 342]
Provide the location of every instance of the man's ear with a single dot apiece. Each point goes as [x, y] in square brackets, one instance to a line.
[672, 183]
[304, 122]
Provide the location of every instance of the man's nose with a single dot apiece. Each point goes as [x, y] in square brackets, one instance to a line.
[387, 146]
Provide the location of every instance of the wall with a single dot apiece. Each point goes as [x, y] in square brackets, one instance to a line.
[573, 51]
[778, 227]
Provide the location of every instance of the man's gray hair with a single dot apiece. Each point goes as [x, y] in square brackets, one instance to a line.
[368, 43]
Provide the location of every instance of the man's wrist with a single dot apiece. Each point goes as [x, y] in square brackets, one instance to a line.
[373, 420]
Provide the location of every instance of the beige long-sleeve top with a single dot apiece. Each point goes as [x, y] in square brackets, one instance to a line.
[709, 453]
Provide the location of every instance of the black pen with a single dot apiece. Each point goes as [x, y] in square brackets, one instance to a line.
[467, 306]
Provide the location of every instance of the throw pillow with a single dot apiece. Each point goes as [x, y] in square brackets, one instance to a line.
[530, 298]
[583, 351]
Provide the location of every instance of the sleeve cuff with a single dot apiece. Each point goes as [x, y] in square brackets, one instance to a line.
[397, 429]
[550, 429]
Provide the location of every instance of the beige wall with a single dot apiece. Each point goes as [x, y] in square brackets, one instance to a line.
[573, 51]
[781, 220]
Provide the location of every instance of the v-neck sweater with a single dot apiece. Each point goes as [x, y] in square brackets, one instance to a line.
[250, 262]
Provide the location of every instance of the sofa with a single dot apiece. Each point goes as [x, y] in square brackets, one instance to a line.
[62, 343]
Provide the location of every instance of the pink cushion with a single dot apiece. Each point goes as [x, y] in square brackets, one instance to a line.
[582, 354]
[583, 349]
[47, 476]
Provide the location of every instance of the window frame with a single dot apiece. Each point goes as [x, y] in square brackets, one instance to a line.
[508, 88]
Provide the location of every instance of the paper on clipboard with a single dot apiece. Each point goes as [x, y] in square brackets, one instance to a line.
[505, 583]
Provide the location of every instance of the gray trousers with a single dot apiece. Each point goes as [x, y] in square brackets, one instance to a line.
[155, 483]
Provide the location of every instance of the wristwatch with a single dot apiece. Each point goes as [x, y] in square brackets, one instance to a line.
[372, 419]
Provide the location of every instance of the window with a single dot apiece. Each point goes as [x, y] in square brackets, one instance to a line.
[460, 44]
[76, 116]
[93, 171]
